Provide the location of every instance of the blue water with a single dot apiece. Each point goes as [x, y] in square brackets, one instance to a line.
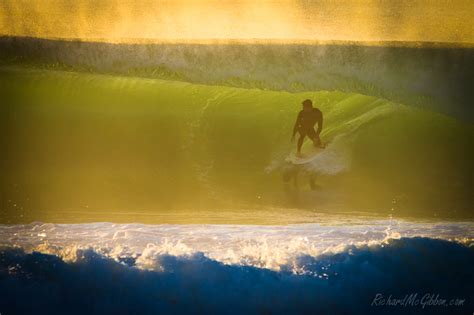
[105, 268]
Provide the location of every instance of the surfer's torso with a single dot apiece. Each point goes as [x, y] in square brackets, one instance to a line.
[307, 119]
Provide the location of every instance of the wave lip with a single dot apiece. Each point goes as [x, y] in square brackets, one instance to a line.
[271, 247]
[346, 282]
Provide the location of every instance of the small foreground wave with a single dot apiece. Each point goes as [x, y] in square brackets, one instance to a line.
[105, 268]
[340, 283]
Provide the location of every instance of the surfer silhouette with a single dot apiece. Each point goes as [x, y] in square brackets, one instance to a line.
[304, 125]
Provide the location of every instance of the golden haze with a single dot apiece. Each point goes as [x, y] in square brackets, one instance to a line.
[352, 20]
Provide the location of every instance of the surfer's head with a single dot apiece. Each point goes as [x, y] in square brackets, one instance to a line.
[307, 104]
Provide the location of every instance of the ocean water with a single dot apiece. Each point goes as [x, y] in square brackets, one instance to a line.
[145, 179]
[333, 266]
[428, 75]
[87, 142]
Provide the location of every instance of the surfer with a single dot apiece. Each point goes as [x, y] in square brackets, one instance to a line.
[304, 125]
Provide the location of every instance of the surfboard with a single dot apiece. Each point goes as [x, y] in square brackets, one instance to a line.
[308, 153]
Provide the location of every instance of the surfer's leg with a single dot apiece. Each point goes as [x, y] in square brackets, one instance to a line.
[314, 137]
[300, 142]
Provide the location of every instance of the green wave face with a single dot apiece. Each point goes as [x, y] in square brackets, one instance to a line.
[434, 77]
[87, 142]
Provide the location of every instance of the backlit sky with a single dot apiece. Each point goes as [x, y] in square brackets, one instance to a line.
[352, 20]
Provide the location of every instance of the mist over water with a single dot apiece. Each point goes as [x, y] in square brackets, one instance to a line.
[424, 75]
[115, 20]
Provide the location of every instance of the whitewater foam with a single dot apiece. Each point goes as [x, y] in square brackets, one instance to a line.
[270, 247]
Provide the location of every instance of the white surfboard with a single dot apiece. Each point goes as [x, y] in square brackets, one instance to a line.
[308, 153]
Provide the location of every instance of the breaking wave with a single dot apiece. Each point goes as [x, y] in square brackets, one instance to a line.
[103, 268]
[155, 144]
